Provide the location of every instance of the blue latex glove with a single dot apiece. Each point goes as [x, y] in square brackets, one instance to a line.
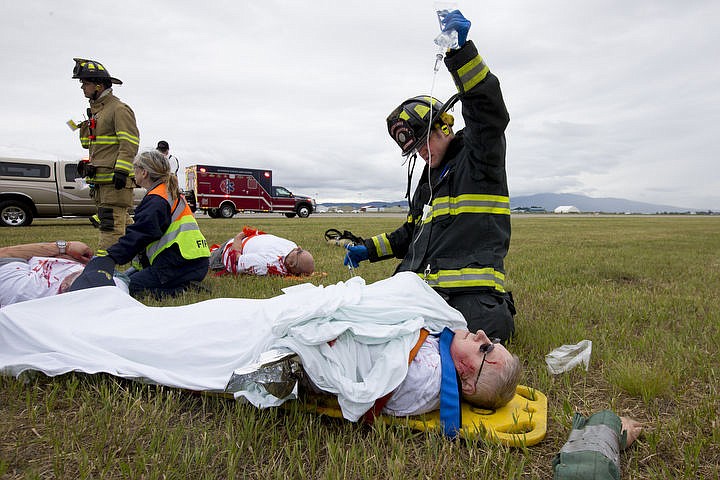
[355, 255]
[455, 21]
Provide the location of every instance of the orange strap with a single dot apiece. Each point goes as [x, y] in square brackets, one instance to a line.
[369, 416]
[423, 335]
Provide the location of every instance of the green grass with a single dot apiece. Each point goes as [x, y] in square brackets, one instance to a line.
[645, 290]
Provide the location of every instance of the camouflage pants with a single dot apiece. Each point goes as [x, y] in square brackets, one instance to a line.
[113, 208]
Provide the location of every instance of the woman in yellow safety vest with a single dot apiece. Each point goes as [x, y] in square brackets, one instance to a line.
[171, 251]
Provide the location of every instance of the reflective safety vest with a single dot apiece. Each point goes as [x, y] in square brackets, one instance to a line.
[183, 231]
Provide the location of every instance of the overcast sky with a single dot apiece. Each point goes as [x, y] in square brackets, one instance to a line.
[607, 98]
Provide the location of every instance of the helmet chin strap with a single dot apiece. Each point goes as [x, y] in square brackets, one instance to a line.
[97, 92]
[411, 168]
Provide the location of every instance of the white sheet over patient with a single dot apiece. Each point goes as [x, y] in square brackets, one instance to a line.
[198, 346]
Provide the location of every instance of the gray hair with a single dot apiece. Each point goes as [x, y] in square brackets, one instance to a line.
[495, 391]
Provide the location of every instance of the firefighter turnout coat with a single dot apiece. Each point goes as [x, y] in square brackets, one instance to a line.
[111, 136]
[458, 232]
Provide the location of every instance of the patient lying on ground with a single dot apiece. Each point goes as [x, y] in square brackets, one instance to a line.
[488, 375]
[487, 371]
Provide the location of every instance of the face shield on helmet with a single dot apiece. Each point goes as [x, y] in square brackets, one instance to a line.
[409, 124]
[92, 71]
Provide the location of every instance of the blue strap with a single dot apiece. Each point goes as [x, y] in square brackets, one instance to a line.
[450, 414]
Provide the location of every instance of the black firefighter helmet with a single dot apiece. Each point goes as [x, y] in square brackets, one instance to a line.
[92, 71]
[409, 123]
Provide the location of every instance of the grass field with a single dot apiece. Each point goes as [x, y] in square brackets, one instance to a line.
[645, 290]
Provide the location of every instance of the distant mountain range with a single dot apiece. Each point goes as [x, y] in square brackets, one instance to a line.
[550, 201]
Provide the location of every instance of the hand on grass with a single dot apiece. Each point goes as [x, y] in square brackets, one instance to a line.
[633, 429]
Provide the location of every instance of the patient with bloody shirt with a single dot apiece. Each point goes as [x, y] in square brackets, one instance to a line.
[255, 252]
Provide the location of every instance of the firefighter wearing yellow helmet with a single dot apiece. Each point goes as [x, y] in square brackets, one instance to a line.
[457, 232]
[111, 135]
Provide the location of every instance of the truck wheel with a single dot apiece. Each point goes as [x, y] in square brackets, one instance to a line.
[227, 211]
[213, 213]
[290, 215]
[303, 211]
[15, 214]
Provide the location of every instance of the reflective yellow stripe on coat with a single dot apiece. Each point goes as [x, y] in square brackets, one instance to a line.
[469, 203]
[382, 245]
[466, 277]
[183, 231]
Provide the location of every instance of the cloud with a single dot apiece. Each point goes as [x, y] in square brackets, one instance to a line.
[605, 97]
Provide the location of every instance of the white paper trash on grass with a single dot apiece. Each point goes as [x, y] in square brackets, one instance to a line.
[567, 357]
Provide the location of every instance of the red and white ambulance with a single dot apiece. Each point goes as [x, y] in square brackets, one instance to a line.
[225, 191]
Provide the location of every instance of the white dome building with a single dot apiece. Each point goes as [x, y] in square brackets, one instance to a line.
[567, 209]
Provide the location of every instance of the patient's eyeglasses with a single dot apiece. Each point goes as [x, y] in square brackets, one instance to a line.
[485, 348]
